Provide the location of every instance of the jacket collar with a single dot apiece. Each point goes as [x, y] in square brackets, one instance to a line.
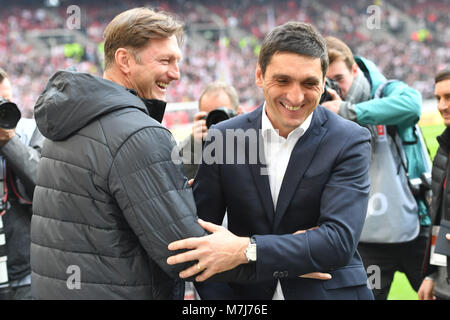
[155, 108]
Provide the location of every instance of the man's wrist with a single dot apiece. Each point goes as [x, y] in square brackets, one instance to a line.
[242, 257]
[250, 251]
[6, 137]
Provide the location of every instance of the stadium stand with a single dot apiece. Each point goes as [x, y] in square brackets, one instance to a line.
[222, 40]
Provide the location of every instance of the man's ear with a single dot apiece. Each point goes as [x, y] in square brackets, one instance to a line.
[354, 70]
[259, 79]
[123, 60]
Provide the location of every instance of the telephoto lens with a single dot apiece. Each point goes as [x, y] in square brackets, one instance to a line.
[9, 114]
[219, 115]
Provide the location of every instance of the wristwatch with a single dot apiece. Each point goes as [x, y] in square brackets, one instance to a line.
[250, 252]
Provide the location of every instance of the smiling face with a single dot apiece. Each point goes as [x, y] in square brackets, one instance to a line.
[343, 76]
[442, 93]
[292, 86]
[155, 67]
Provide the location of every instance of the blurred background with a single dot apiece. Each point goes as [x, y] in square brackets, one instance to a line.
[408, 40]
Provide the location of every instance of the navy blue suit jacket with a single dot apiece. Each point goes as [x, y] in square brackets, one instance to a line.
[326, 184]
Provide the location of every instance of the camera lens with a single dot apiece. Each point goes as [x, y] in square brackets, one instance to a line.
[9, 114]
[219, 115]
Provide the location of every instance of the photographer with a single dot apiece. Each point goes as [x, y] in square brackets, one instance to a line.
[214, 96]
[395, 231]
[20, 145]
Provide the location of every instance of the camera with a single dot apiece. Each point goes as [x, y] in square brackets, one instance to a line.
[421, 186]
[332, 84]
[9, 114]
[219, 115]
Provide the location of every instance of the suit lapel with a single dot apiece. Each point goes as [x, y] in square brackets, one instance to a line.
[259, 170]
[299, 162]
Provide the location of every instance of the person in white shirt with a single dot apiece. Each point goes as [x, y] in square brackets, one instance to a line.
[293, 179]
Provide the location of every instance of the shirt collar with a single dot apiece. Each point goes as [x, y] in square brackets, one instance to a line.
[267, 127]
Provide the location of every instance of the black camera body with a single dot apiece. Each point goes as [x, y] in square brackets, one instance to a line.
[9, 114]
[420, 186]
[219, 115]
[332, 84]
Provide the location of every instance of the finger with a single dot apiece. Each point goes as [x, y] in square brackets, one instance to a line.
[304, 231]
[208, 226]
[317, 275]
[200, 126]
[183, 257]
[199, 115]
[189, 243]
[205, 275]
[333, 93]
[191, 271]
[420, 295]
[191, 182]
[447, 236]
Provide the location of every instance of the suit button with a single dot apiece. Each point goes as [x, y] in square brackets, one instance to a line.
[276, 274]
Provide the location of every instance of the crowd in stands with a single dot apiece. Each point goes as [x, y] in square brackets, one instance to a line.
[229, 48]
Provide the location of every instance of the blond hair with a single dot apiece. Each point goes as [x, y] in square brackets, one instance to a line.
[219, 86]
[3, 75]
[132, 29]
[339, 51]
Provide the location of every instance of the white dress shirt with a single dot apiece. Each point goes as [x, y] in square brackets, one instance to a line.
[277, 151]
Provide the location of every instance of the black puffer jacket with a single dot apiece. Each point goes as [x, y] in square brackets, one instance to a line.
[109, 198]
[440, 209]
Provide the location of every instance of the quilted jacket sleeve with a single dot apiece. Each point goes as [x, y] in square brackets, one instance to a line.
[149, 185]
[24, 160]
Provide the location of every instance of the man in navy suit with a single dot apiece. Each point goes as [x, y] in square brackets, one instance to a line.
[300, 207]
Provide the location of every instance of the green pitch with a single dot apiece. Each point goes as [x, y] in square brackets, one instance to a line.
[430, 133]
[401, 289]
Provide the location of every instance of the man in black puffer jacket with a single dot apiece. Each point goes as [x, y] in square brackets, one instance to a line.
[111, 192]
[436, 284]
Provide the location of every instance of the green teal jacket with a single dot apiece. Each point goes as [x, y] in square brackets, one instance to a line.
[400, 106]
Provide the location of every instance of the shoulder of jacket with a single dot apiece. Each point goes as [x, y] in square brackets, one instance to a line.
[122, 125]
[441, 158]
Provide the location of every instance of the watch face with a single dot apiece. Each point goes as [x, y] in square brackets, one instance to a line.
[251, 252]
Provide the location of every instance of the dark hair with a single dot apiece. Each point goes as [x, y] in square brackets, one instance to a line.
[294, 37]
[442, 75]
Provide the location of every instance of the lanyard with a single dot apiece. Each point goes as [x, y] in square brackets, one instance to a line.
[5, 189]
